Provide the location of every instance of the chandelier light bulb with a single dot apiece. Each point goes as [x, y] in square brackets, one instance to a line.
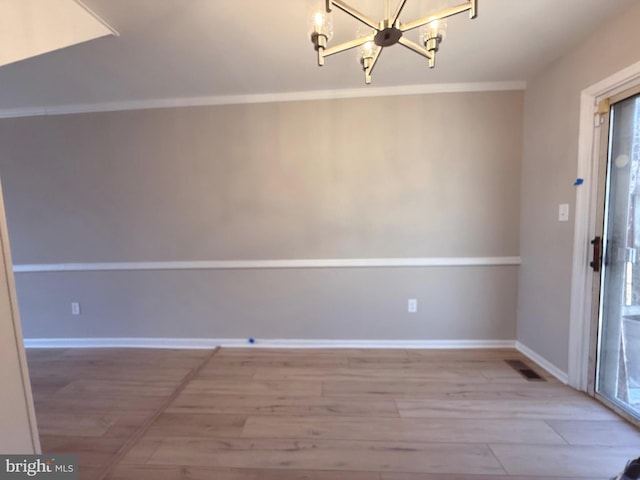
[368, 50]
[366, 54]
[434, 29]
[321, 24]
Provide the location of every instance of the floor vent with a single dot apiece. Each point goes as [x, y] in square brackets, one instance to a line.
[525, 370]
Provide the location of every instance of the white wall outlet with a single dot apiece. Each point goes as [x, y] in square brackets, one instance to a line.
[75, 308]
[412, 305]
[563, 212]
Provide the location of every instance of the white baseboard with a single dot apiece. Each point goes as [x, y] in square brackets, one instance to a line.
[208, 343]
[543, 362]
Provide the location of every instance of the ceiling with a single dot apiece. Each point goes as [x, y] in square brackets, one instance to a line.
[58, 23]
[194, 48]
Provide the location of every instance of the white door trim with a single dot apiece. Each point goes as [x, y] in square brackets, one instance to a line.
[584, 228]
[8, 293]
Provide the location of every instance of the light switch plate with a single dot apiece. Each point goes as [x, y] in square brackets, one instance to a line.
[563, 212]
[412, 305]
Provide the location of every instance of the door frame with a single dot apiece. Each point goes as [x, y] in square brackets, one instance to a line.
[21, 387]
[580, 325]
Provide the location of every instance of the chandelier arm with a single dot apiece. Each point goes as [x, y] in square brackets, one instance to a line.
[347, 45]
[348, 9]
[374, 60]
[415, 48]
[398, 11]
[448, 12]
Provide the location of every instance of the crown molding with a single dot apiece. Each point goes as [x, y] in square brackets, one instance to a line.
[264, 98]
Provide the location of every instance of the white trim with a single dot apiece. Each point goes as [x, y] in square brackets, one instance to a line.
[253, 264]
[208, 343]
[10, 300]
[542, 362]
[584, 228]
[99, 19]
[264, 98]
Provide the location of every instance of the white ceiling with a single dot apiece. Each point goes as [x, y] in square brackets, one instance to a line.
[33, 27]
[194, 48]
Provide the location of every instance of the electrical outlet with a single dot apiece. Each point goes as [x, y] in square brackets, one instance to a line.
[75, 308]
[412, 305]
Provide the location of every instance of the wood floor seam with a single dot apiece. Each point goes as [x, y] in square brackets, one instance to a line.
[497, 459]
[557, 432]
[137, 435]
[362, 441]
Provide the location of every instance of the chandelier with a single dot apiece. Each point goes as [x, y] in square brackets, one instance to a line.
[384, 33]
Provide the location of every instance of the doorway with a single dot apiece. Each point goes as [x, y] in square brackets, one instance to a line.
[616, 312]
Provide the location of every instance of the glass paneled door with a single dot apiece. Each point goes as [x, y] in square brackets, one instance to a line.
[617, 379]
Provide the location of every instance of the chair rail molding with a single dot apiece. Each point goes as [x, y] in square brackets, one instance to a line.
[262, 264]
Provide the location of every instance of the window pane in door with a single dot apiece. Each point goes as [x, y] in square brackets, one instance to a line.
[618, 376]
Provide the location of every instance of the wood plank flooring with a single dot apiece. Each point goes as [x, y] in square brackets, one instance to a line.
[94, 402]
[252, 414]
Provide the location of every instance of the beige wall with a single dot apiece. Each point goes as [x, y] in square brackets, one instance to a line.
[410, 176]
[18, 433]
[550, 154]
[477, 303]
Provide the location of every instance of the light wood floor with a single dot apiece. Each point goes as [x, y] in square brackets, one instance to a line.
[254, 414]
